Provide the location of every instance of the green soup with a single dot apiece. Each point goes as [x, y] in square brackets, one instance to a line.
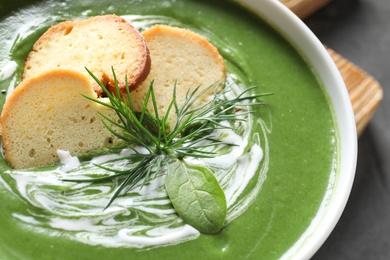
[298, 134]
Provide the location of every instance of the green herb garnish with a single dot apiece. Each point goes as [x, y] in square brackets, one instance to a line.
[193, 190]
[196, 196]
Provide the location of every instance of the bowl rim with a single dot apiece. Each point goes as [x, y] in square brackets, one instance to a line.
[314, 52]
[300, 36]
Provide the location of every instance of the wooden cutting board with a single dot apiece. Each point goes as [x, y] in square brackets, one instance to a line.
[365, 92]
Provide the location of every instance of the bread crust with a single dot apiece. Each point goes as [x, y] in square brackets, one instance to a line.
[183, 58]
[99, 43]
[160, 30]
[47, 113]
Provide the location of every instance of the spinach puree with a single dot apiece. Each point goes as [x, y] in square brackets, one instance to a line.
[301, 134]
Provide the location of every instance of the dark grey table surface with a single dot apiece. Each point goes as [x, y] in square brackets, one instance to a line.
[359, 30]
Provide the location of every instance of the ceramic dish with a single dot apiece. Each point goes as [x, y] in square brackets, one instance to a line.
[310, 47]
[307, 136]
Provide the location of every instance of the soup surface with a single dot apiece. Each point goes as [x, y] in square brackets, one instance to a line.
[296, 137]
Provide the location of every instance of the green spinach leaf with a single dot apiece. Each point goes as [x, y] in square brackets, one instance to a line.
[196, 196]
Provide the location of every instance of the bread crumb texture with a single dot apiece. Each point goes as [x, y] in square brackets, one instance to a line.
[99, 44]
[182, 57]
[47, 113]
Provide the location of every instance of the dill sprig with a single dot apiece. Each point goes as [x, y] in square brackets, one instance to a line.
[189, 136]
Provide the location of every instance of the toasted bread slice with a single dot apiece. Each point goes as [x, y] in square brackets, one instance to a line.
[182, 57]
[47, 113]
[99, 44]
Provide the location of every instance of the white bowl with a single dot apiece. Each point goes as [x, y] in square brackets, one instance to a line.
[290, 26]
[300, 36]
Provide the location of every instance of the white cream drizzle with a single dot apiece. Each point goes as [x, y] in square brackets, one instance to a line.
[8, 70]
[158, 236]
[69, 162]
[143, 217]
